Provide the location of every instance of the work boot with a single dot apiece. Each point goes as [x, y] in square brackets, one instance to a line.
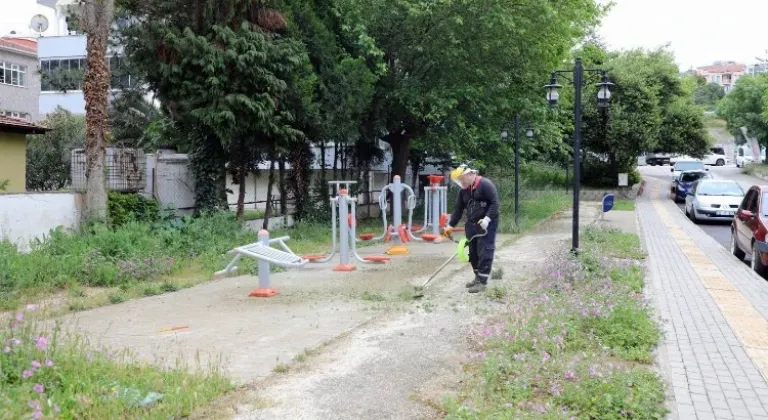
[472, 283]
[477, 288]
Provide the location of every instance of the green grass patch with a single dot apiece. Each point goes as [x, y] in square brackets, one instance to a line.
[624, 205]
[614, 242]
[45, 375]
[250, 214]
[139, 258]
[577, 343]
[756, 169]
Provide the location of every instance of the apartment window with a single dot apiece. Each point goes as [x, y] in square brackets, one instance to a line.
[68, 74]
[15, 114]
[13, 74]
[62, 74]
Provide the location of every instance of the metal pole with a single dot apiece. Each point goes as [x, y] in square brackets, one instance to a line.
[263, 265]
[517, 167]
[343, 202]
[435, 195]
[397, 202]
[578, 73]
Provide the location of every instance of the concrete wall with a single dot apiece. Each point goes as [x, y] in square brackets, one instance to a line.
[25, 217]
[22, 99]
[13, 161]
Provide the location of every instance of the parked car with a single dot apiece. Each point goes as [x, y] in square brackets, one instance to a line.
[686, 165]
[742, 161]
[682, 184]
[749, 229]
[716, 157]
[675, 158]
[713, 199]
[654, 159]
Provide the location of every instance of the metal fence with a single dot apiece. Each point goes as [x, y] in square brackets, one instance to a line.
[125, 170]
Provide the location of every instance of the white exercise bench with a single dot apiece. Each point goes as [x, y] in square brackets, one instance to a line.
[263, 252]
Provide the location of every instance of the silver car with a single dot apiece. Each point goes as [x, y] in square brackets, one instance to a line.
[713, 199]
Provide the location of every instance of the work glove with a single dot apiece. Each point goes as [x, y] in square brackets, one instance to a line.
[447, 231]
[484, 222]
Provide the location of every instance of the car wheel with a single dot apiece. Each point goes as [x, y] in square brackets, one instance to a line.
[735, 250]
[687, 214]
[692, 215]
[720, 162]
[757, 263]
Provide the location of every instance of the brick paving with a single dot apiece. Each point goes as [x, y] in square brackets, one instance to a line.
[714, 311]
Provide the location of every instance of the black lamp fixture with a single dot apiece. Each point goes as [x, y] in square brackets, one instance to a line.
[577, 76]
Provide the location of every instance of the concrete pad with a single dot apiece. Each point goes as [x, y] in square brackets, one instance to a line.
[625, 221]
[253, 335]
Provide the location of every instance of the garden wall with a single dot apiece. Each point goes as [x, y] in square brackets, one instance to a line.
[25, 217]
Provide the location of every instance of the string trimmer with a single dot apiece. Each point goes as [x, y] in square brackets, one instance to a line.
[463, 243]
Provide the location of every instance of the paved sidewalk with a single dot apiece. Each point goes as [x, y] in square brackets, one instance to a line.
[713, 308]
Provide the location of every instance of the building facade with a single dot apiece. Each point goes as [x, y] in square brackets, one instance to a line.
[62, 63]
[723, 73]
[19, 78]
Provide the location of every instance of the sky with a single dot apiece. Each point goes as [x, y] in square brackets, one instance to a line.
[699, 31]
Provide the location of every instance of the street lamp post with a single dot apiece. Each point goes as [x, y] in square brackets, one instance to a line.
[603, 100]
[504, 135]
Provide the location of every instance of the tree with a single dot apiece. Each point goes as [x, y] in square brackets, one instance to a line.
[460, 69]
[95, 19]
[49, 155]
[651, 110]
[222, 69]
[708, 94]
[130, 115]
[747, 106]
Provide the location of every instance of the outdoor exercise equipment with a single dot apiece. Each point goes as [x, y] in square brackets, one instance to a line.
[347, 223]
[435, 210]
[462, 251]
[263, 252]
[398, 232]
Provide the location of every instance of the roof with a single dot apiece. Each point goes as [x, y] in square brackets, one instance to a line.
[727, 68]
[22, 45]
[17, 125]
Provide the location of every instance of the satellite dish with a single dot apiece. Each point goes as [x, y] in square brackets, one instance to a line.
[39, 23]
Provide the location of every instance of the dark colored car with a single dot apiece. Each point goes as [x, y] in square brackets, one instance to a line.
[683, 183]
[749, 229]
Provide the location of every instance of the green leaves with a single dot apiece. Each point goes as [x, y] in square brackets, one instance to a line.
[747, 106]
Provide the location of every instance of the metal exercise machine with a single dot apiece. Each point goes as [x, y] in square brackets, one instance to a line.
[263, 252]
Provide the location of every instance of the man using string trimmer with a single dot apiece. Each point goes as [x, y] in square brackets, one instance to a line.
[478, 196]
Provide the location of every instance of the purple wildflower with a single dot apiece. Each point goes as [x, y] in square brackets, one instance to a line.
[27, 373]
[41, 343]
[39, 388]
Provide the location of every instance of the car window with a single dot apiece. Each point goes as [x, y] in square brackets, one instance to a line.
[720, 188]
[764, 205]
[691, 176]
[688, 166]
[752, 203]
[746, 201]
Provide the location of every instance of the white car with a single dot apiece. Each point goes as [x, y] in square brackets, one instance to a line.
[713, 199]
[716, 159]
[742, 161]
[686, 165]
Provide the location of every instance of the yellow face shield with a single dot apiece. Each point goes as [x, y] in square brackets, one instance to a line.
[458, 174]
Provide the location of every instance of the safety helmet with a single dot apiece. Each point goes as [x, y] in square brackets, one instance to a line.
[462, 170]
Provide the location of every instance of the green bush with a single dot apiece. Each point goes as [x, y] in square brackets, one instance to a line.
[124, 208]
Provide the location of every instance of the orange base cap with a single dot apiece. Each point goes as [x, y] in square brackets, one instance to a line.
[366, 236]
[398, 250]
[378, 258]
[429, 237]
[345, 267]
[313, 257]
[263, 293]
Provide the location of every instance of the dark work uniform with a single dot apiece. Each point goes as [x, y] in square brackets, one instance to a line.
[479, 200]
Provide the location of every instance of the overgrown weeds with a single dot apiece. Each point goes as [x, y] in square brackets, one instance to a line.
[139, 258]
[46, 374]
[577, 344]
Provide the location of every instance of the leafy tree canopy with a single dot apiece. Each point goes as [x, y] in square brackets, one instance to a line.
[747, 106]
